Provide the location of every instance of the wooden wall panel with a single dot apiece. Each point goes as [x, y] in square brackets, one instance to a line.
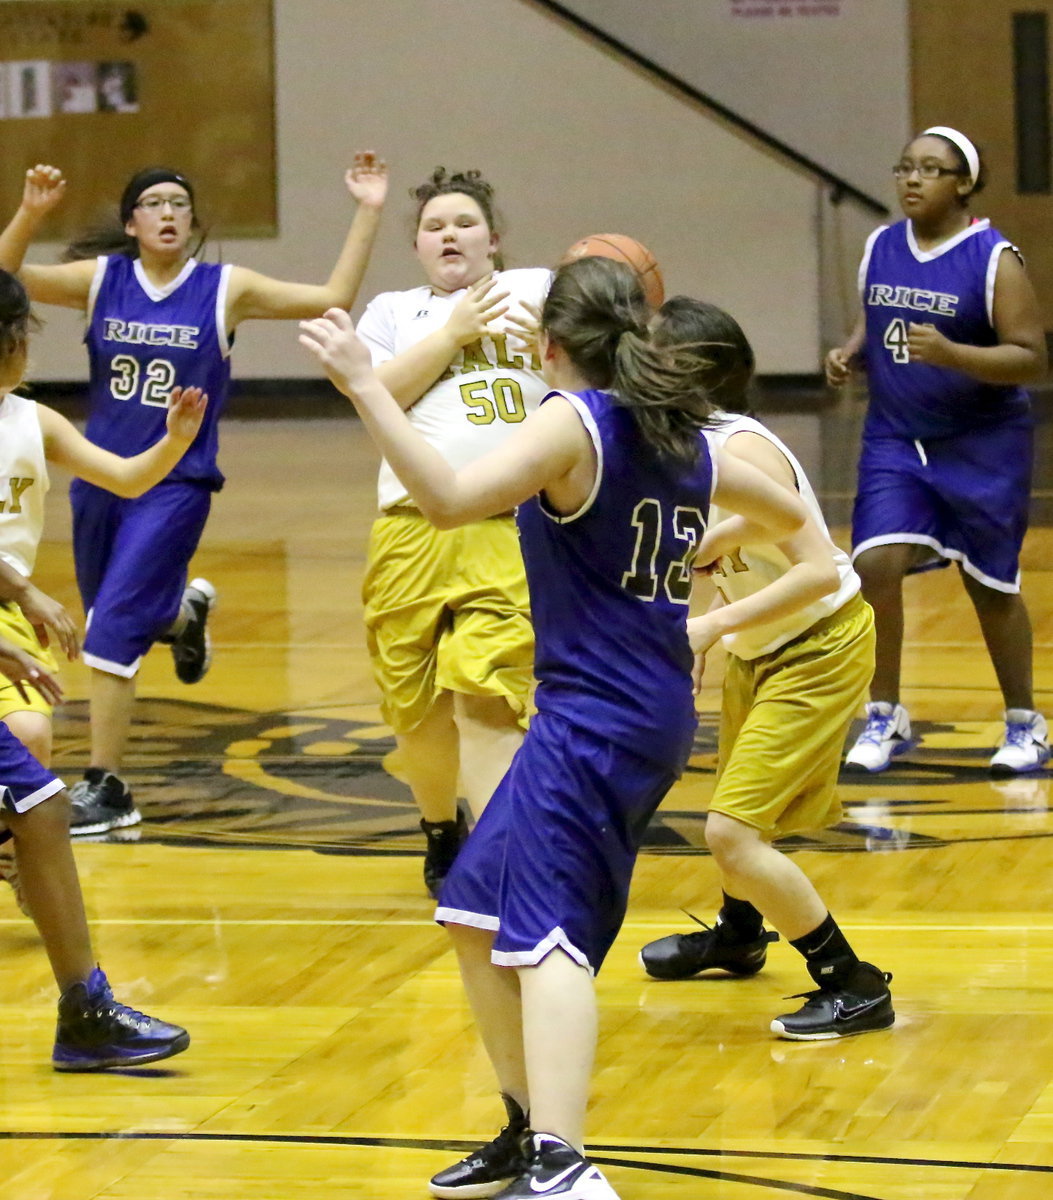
[103, 89]
[962, 75]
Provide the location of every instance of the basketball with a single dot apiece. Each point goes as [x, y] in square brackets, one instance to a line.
[627, 250]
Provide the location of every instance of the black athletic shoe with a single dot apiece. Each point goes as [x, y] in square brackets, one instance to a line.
[100, 802]
[863, 1005]
[557, 1169]
[487, 1170]
[94, 1032]
[681, 955]
[192, 649]
[444, 839]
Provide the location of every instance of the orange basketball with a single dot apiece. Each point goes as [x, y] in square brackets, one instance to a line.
[627, 250]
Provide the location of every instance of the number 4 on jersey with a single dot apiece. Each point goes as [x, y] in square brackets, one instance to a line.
[896, 340]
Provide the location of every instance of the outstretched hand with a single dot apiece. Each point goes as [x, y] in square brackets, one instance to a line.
[21, 668]
[44, 189]
[186, 411]
[367, 179]
[342, 353]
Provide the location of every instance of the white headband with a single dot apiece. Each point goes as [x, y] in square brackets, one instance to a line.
[972, 158]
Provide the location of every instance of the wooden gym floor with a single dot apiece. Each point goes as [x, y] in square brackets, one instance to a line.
[271, 902]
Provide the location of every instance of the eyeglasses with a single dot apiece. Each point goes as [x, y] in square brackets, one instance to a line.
[925, 170]
[156, 203]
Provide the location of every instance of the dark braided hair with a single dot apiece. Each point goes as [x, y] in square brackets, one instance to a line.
[596, 311]
[461, 183]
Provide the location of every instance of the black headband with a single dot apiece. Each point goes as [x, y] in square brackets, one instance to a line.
[147, 179]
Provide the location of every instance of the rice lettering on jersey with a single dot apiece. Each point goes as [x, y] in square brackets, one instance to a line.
[143, 342]
[952, 288]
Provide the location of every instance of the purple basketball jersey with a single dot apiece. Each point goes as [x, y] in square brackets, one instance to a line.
[610, 586]
[142, 342]
[951, 287]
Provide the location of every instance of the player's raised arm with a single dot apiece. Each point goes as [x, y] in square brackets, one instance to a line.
[67, 284]
[252, 294]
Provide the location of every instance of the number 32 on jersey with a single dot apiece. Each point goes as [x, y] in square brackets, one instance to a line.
[157, 380]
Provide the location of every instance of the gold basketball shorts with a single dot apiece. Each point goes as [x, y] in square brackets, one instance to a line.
[783, 723]
[446, 610]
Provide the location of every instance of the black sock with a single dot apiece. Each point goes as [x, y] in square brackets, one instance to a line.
[831, 960]
[742, 920]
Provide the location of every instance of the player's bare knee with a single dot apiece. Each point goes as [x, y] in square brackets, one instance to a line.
[882, 567]
[33, 730]
[728, 840]
[46, 821]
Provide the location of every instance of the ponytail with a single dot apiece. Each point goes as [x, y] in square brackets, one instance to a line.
[596, 311]
[104, 237]
[723, 355]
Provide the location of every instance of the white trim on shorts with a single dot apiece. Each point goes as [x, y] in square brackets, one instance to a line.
[112, 668]
[33, 799]
[530, 958]
[923, 539]
[514, 958]
[460, 916]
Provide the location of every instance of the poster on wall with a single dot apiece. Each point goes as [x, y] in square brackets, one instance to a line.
[785, 9]
[101, 89]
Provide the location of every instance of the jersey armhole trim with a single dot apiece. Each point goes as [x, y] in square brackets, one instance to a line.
[864, 262]
[592, 429]
[226, 342]
[96, 283]
[992, 274]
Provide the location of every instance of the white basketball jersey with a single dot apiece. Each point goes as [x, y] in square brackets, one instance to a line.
[490, 386]
[754, 567]
[23, 482]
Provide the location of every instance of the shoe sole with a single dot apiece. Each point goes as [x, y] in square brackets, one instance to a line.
[732, 972]
[207, 590]
[124, 822]
[998, 771]
[861, 769]
[106, 1064]
[470, 1191]
[829, 1035]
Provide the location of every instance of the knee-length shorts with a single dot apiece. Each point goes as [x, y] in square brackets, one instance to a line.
[550, 861]
[783, 723]
[446, 610]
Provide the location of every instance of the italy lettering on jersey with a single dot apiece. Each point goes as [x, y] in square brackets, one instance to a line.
[23, 482]
[610, 587]
[144, 341]
[750, 568]
[485, 392]
[952, 288]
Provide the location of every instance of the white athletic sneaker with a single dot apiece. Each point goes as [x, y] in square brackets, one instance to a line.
[885, 736]
[1025, 746]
